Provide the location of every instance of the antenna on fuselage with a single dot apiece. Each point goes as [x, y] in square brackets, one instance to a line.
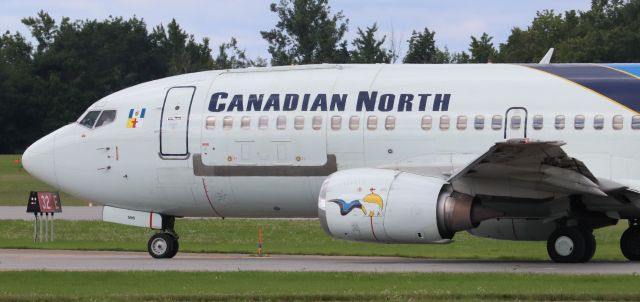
[547, 58]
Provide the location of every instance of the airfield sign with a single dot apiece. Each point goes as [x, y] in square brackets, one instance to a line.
[43, 203]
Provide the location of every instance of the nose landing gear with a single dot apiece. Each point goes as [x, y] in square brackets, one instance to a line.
[164, 244]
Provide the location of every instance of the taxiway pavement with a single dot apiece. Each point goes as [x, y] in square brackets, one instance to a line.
[55, 260]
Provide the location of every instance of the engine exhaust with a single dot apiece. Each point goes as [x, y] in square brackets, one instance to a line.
[459, 212]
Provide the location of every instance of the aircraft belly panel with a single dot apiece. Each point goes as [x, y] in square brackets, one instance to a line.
[271, 197]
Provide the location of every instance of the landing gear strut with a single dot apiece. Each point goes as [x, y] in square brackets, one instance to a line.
[571, 245]
[630, 241]
[164, 244]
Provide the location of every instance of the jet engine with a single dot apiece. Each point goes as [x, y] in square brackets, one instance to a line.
[390, 206]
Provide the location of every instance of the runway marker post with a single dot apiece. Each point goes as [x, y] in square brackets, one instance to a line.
[260, 241]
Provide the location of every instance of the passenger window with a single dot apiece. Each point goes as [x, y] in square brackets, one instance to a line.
[106, 117]
[445, 122]
[496, 122]
[479, 122]
[598, 122]
[372, 122]
[516, 121]
[298, 122]
[211, 122]
[618, 122]
[227, 122]
[462, 122]
[263, 122]
[635, 122]
[316, 123]
[281, 122]
[559, 123]
[538, 122]
[336, 122]
[89, 119]
[578, 122]
[245, 122]
[390, 123]
[426, 122]
[354, 122]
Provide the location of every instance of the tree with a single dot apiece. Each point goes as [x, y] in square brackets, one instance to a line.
[306, 33]
[422, 47]
[75, 63]
[368, 49]
[179, 50]
[460, 58]
[482, 50]
[18, 113]
[43, 28]
[230, 57]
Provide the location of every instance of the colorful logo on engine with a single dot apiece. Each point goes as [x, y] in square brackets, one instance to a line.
[136, 115]
[371, 205]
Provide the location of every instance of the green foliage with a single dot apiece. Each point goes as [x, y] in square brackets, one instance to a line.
[75, 63]
[368, 49]
[482, 50]
[179, 50]
[230, 57]
[422, 47]
[306, 33]
[608, 32]
[19, 110]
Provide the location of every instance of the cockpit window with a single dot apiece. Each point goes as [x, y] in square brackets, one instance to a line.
[106, 117]
[90, 118]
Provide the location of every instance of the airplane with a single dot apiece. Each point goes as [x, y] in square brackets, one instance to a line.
[378, 153]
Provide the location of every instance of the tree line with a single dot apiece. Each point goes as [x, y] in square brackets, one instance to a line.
[75, 63]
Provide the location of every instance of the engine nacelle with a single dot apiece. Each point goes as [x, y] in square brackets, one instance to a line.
[395, 207]
[515, 229]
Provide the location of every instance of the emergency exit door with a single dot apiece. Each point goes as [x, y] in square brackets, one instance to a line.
[174, 122]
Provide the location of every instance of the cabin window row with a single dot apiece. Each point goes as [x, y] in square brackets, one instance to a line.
[516, 122]
[335, 122]
[444, 122]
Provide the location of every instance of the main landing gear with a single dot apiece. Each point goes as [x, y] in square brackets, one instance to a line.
[577, 244]
[164, 244]
[630, 241]
[571, 245]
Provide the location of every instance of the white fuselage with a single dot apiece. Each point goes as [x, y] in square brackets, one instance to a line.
[223, 159]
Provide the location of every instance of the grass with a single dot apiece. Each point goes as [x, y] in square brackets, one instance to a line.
[281, 237]
[16, 183]
[305, 286]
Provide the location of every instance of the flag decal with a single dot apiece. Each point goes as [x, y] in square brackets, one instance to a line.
[136, 116]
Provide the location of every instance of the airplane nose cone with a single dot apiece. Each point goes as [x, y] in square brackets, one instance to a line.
[38, 160]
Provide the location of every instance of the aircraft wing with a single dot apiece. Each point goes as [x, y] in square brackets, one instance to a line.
[534, 165]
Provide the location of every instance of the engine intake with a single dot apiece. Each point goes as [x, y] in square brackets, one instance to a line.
[395, 207]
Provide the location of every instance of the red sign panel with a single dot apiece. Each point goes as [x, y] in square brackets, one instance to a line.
[49, 202]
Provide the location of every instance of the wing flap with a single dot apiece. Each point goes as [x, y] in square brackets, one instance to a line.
[541, 165]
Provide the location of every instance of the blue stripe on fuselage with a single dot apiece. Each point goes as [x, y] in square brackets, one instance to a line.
[633, 69]
[603, 79]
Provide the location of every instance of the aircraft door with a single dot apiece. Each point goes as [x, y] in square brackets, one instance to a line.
[174, 122]
[515, 123]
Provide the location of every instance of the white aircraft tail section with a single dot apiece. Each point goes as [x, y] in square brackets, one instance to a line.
[547, 58]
